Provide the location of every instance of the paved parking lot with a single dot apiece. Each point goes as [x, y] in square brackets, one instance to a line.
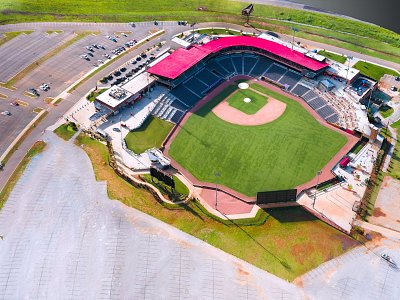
[26, 49]
[59, 72]
[64, 239]
[359, 274]
[65, 68]
[387, 206]
[11, 126]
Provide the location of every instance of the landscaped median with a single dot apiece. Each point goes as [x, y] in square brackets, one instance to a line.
[286, 242]
[66, 131]
[21, 137]
[12, 181]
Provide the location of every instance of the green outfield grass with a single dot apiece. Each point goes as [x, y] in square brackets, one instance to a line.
[236, 100]
[151, 134]
[274, 156]
[373, 71]
[333, 56]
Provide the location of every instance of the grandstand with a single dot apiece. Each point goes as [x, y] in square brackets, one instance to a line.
[192, 73]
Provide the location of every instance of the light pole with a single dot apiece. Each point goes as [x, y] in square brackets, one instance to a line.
[316, 188]
[294, 33]
[193, 30]
[349, 57]
[217, 174]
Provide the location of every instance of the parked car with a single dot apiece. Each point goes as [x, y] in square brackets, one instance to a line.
[6, 113]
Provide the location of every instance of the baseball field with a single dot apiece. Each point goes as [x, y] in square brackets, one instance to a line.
[281, 154]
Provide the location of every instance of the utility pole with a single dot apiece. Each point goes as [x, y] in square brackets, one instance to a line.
[217, 174]
[316, 188]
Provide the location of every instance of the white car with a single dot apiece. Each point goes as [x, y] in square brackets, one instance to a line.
[6, 113]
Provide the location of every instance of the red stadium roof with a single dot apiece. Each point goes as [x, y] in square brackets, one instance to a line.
[183, 59]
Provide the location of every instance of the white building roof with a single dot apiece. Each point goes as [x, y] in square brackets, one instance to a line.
[341, 70]
[138, 83]
[181, 42]
[114, 96]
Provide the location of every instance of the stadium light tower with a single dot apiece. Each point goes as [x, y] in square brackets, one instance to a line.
[349, 57]
[316, 188]
[247, 11]
[217, 174]
[294, 33]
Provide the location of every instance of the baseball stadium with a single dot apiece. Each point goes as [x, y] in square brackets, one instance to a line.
[241, 124]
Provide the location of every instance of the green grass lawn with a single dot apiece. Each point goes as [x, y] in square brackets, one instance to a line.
[152, 133]
[66, 131]
[333, 56]
[287, 242]
[180, 192]
[396, 125]
[373, 71]
[218, 31]
[274, 156]
[94, 94]
[7, 36]
[236, 100]
[386, 111]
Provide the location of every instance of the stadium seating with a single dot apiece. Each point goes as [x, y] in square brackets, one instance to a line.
[249, 62]
[275, 72]
[237, 61]
[208, 77]
[333, 119]
[196, 86]
[177, 116]
[290, 79]
[300, 90]
[261, 66]
[185, 95]
[316, 103]
[217, 69]
[309, 96]
[226, 63]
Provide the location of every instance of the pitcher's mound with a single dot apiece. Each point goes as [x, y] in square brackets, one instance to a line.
[268, 113]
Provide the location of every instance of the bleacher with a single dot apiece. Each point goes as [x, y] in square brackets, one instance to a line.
[275, 72]
[261, 66]
[216, 68]
[209, 78]
[325, 111]
[237, 63]
[185, 95]
[196, 86]
[309, 96]
[290, 79]
[226, 63]
[249, 62]
[300, 90]
[316, 103]
[177, 116]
